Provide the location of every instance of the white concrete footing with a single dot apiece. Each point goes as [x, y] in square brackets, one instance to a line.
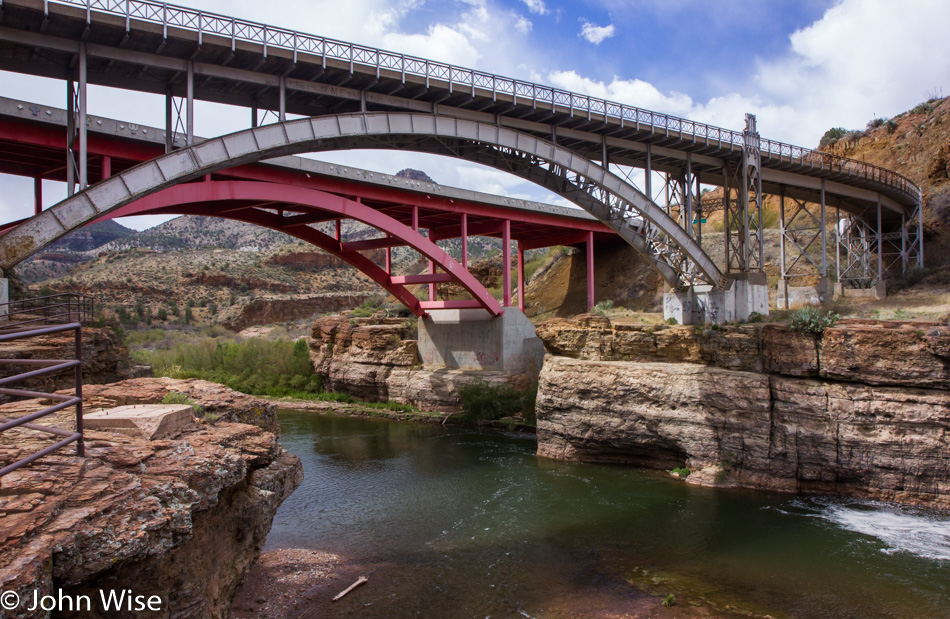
[153, 421]
[747, 293]
[800, 296]
[878, 291]
[473, 339]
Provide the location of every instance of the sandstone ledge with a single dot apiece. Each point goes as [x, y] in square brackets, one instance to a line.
[735, 428]
[912, 354]
[183, 519]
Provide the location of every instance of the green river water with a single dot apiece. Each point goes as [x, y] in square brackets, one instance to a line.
[456, 522]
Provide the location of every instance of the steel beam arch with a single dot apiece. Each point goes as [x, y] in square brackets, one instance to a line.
[175, 200]
[620, 206]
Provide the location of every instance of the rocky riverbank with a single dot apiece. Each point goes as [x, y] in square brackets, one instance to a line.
[377, 360]
[181, 518]
[863, 409]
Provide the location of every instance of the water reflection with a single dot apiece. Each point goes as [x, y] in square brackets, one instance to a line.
[463, 523]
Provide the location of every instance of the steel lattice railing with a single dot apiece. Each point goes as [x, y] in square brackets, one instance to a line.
[235, 29]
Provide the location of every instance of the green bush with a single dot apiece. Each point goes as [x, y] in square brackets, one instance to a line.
[603, 307]
[483, 402]
[257, 366]
[813, 320]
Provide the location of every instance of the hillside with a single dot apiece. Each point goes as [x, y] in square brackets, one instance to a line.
[916, 144]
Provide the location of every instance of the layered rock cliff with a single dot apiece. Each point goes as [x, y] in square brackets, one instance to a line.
[864, 409]
[182, 519]
[377, 360]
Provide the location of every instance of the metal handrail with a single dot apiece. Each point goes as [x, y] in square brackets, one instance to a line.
[65, 401]
[203, 22]
[50, 309]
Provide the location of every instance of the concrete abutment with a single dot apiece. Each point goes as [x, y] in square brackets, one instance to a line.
[745, 294]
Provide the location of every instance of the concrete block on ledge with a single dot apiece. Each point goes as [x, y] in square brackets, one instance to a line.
[152, 421]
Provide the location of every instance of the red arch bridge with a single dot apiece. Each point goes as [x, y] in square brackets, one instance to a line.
[637, 172]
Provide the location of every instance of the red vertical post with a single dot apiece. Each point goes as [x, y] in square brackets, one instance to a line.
[465, 241]
[37, 195]
[106, 167]
[338, 236]
[415, 218]
[506, 263]
[520, 277]
[432, 286]
[389, 260]
[590, 271]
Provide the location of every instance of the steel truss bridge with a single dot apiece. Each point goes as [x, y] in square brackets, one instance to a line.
[638, 172]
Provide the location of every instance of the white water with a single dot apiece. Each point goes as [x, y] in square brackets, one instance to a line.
[918, 532]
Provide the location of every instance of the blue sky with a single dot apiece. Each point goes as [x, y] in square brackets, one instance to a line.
[801, 66]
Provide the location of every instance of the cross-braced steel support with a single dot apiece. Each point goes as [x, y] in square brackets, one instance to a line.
[912, 238]
[180, 114]
[858, 248]
[801, 252]
[77, 163]
[744, 241]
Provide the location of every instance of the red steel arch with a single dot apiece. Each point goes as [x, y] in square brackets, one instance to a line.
[255, 202]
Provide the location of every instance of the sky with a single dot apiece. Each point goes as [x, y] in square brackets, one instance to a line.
[802, 66]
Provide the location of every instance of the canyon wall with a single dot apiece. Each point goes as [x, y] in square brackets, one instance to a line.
[863, 409]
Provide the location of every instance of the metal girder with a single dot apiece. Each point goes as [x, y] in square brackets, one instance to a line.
[202, 198]
[621, 207]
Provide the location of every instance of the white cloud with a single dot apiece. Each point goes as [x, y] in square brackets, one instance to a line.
[596, 34]
[536, 6]
[522, 24]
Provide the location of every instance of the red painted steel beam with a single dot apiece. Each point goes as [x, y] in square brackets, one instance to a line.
[203, 197]
[462, 304]
[382, 243]
[573, 238]
[424, 278]
[484, 228]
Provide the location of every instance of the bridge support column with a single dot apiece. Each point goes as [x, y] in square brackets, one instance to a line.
[4, 297]
[37, 195]
[745, 294]
[472, 339]
[590, 271]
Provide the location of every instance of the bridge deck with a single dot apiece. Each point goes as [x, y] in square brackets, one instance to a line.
[152, 47]
[33, 144]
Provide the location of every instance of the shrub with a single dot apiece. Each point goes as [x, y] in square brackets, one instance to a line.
[813, 320]
[682, 471]
[831, 136]
[603, 307]
[369, 307]
[483, 402]
[672, 321]
[162, 314]
[669, 601]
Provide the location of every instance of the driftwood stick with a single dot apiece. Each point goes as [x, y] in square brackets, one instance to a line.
[359, 581]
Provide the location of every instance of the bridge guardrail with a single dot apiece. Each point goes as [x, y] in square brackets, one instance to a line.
[45, 366]
[204, 22]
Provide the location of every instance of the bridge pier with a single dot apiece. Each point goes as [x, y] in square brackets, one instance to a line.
[472, 339]
[745, 294]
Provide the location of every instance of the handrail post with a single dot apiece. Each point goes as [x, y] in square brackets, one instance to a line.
[80, 445]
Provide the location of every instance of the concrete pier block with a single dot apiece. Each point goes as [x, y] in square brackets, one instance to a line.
[746, 293]
[153, 421]
[473, 339]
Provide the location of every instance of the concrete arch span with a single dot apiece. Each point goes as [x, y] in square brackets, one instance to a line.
[636, 218]
[194, 198]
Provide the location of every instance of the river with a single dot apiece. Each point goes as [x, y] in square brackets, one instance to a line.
[456, 522]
